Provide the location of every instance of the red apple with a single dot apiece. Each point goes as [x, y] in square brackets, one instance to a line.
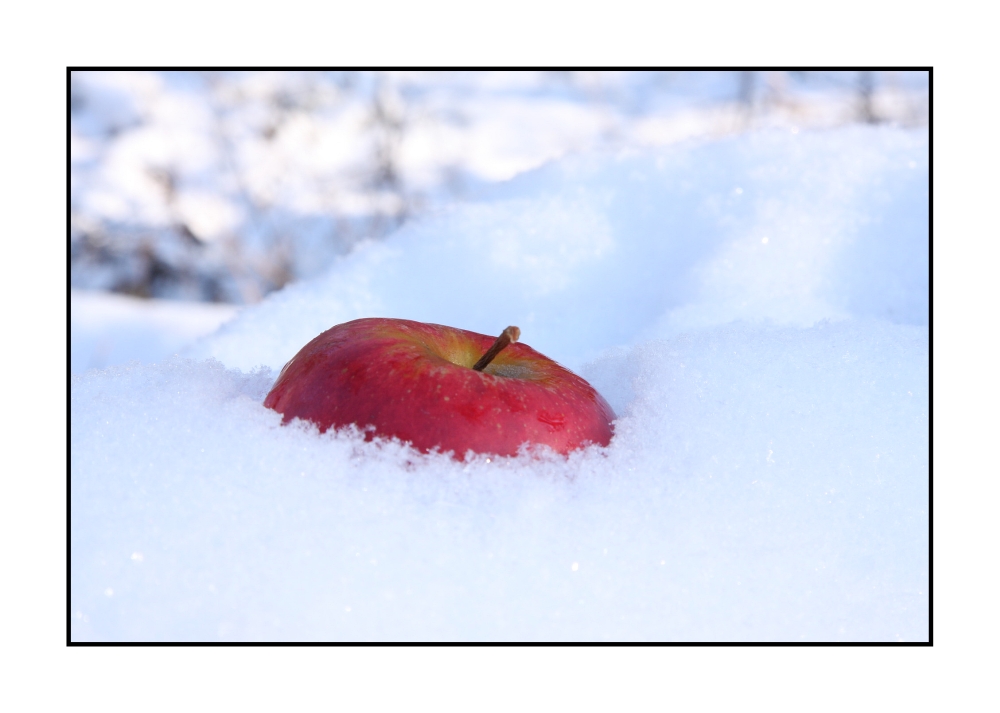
[416, 382]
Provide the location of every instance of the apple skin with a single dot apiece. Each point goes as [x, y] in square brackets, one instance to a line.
[414, 381]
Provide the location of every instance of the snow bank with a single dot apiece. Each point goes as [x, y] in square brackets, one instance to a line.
[767, 479]
[600, 251]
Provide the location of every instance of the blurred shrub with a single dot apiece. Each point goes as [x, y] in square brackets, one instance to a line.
[225, 186]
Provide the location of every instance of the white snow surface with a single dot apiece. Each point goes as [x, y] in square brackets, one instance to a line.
[599, 251]
[108, 329]
[754, 309]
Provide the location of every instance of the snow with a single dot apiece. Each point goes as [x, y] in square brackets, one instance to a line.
[596, 251]
[107, 329]
[755, 310]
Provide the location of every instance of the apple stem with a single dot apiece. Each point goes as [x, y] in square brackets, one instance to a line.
[511, 334]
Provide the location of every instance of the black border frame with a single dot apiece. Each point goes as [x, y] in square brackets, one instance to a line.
[930, 297]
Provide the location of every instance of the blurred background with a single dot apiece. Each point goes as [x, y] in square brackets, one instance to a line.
[193, 193]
